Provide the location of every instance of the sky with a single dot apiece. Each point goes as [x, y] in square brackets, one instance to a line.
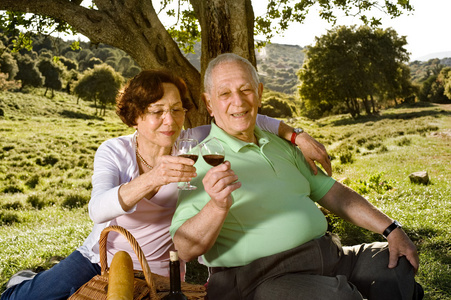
[426, 28]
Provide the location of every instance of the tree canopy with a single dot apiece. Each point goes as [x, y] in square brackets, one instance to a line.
[134, 26]
[355, 67]
[101, 83]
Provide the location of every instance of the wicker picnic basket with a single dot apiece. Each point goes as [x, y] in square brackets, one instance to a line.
[146, 284]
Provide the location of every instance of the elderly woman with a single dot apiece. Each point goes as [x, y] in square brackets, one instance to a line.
[134, 186]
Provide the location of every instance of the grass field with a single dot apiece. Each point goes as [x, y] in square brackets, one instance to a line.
[47, 149]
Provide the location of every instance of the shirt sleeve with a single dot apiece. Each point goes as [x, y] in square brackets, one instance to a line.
[320, 184]
[106, 180]
[268, 124]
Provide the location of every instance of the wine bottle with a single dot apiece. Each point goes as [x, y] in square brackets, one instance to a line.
[175, 289]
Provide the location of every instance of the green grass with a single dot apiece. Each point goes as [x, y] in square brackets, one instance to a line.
[384, 151]
[47, 148]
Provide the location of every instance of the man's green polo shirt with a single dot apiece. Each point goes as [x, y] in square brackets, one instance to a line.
[273, 210]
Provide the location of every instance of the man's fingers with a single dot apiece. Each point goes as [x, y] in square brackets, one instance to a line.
[312, 165]
[392, 260]
[327, 165]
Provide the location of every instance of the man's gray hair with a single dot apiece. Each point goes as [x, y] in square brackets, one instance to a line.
[226, 58]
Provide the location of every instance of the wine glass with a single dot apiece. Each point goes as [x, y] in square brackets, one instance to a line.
[187, 148]
[213, 152]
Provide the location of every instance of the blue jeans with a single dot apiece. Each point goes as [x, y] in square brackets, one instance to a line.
[59, 282]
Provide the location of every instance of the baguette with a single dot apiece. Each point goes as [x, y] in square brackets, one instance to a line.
[121, 277]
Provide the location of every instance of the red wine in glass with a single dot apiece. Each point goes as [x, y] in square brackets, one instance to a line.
[213, 152]
[214, 159]
[187, 148]
[190, 156]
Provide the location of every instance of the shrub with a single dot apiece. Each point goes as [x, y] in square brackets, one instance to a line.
[8, 218]
[277, 108]
[8, 85]
[33, 181]
[36, 202]
[372, 145]
[374, 183]
[404, 142]
[16, 205]
[12, 189]
[74, 201]
[47, 160]
[346, 158]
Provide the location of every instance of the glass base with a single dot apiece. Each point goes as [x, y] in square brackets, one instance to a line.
[187, 187]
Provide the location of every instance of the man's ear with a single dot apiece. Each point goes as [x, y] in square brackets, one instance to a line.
[260, 94]
[207, 101]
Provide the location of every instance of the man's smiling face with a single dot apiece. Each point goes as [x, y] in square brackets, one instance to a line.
[234, 99]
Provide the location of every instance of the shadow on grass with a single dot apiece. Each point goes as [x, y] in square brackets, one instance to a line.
[433, 112]
[78, 115]
[196, 273]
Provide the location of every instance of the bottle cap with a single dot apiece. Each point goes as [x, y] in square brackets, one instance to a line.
[173, 255]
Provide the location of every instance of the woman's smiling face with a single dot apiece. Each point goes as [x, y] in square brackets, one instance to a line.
[159, 125]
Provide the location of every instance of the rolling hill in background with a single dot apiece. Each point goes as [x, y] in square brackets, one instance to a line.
[278, 64]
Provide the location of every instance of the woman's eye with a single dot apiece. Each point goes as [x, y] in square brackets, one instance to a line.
[156, 112]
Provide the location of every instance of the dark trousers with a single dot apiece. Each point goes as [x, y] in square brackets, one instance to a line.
[319, 269]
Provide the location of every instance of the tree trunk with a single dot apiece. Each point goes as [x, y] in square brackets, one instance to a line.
[351, 105]
[373, 104]
[227, 26]
[367, 106]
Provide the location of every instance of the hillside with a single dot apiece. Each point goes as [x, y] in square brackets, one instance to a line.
[277, 65]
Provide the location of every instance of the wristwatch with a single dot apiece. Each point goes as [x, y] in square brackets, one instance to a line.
[390, 228]
[296, 131]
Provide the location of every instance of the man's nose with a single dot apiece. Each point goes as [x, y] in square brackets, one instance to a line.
[237, 99]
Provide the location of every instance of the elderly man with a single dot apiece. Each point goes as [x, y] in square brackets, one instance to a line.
[263, 237]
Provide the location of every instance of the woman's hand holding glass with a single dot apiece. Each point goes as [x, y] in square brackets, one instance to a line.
[187, 148]
[170, 169]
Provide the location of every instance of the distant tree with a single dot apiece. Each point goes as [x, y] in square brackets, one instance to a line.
[112, 63]
[447, 82]
[52, 71]
[99, 84]
[131, 72]
[276, 108]
[354, 67]
[45, 53]
[435, 88]
[70, 77]
[104, 54]
[70, 64]
[89, 64]
[29, 73]
[8, 65]
[7, 85]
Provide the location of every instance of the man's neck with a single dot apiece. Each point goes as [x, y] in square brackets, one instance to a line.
[247, 137]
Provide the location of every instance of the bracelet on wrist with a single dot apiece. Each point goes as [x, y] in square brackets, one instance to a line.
[390, 228]
[295, 133]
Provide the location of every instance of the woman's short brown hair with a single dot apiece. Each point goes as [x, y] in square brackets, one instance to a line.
[143, 90]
